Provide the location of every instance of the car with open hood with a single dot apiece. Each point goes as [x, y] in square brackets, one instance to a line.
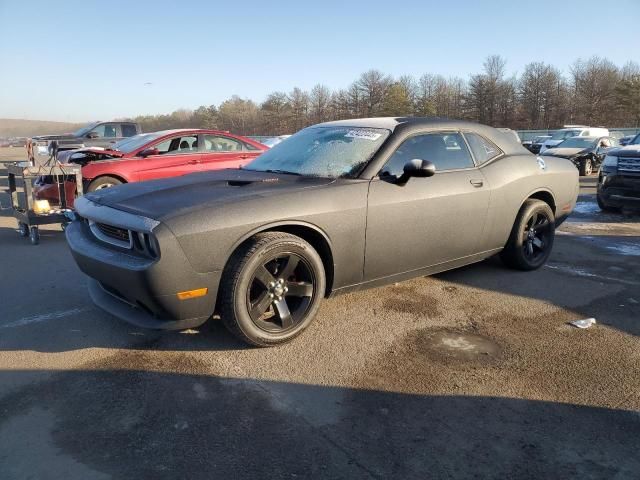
[337, 207]
[586, 153]
[148, 156]
[96, 134]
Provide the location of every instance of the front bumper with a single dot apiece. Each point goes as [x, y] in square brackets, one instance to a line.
[139, 290]
[619, 190]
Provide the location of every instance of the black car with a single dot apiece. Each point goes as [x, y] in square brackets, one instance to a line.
[619, 179]
[535, 145]
[586, 153]
[337, 207]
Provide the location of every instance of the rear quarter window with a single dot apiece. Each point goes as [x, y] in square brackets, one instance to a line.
[483, 149]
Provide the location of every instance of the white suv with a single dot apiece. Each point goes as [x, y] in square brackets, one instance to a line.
[573, 131]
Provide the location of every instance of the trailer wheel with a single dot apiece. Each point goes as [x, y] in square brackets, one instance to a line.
[23, 229]
[34, 236]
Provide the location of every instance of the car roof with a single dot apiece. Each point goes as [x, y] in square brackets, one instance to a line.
[505, 140]
[175, 131]
[391, 123]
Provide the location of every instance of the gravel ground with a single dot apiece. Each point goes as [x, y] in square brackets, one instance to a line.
[474, 372]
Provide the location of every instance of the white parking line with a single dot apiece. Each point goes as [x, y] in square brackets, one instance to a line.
[578, 272]
[43, 317]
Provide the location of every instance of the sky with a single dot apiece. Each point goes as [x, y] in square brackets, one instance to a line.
[89, 60]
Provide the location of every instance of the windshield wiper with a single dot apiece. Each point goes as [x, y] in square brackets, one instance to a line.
[273, 170]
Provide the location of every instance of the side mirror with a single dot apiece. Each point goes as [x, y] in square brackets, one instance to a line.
[93, 135]
[149, 151]
[416, 168]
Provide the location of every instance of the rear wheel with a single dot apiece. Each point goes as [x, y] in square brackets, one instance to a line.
[271, 289]
[103, 182]
[531, 239]
[604, 207]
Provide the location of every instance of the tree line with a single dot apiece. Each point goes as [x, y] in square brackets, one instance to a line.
[595, 92]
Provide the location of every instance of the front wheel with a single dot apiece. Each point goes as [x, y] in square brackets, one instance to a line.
[271, 289]
[103, 182]
[532, 235]
[586, 167]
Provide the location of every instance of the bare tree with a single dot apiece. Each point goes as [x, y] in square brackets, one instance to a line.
[373, 86]
[596, 92]
[320, 103]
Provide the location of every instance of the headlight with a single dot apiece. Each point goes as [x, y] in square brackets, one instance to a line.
[610, 161]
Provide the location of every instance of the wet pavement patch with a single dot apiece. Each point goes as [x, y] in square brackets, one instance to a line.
[457, 345]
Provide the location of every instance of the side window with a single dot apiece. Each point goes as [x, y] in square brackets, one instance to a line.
[99, 131]
[178, 145]
[447, 151]
[216, 143]
[483, 150]
[110, 130]
[249, 147]
[128, 130]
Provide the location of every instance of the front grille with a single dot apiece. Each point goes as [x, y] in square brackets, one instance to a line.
[120, 237]
[629, 164]
[114, 232]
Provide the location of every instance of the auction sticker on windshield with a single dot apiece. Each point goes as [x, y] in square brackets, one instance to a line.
[363, 134]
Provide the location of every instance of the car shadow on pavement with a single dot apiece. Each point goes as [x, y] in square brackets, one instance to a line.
[605, 289]
[140, 423]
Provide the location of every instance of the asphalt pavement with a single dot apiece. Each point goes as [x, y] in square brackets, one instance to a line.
[470, 373]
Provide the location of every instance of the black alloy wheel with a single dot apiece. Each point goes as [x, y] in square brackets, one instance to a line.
[280, 293]
[271, 288]
[531, 238]
[536, 236]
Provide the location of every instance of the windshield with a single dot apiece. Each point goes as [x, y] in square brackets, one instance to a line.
[578, 142]
[131, 144]
[323, 152]
[562, 134]
[81, 132]
[636, 140]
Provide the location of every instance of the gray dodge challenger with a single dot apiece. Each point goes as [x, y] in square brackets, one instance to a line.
[337, 207]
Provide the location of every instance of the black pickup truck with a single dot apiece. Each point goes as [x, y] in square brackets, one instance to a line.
[97, 134]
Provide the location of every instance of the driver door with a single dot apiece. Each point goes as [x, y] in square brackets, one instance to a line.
[428, 221]
[176, 156]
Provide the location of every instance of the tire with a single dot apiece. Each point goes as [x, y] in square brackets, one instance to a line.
[34, 236]
[586, 167]
[253, 299]
[531, 238]
[23, 229]
[606, 208]
[103, 182]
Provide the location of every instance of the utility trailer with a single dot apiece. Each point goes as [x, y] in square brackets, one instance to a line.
[21, 176]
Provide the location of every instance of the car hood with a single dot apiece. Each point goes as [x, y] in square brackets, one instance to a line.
[628, 151]
[565, 152]
[166, 198]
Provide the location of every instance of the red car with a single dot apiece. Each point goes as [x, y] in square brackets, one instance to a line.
[168, 153]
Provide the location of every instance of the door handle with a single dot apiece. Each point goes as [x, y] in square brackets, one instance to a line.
[193, 162]
[244, 157]
[476, 182]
